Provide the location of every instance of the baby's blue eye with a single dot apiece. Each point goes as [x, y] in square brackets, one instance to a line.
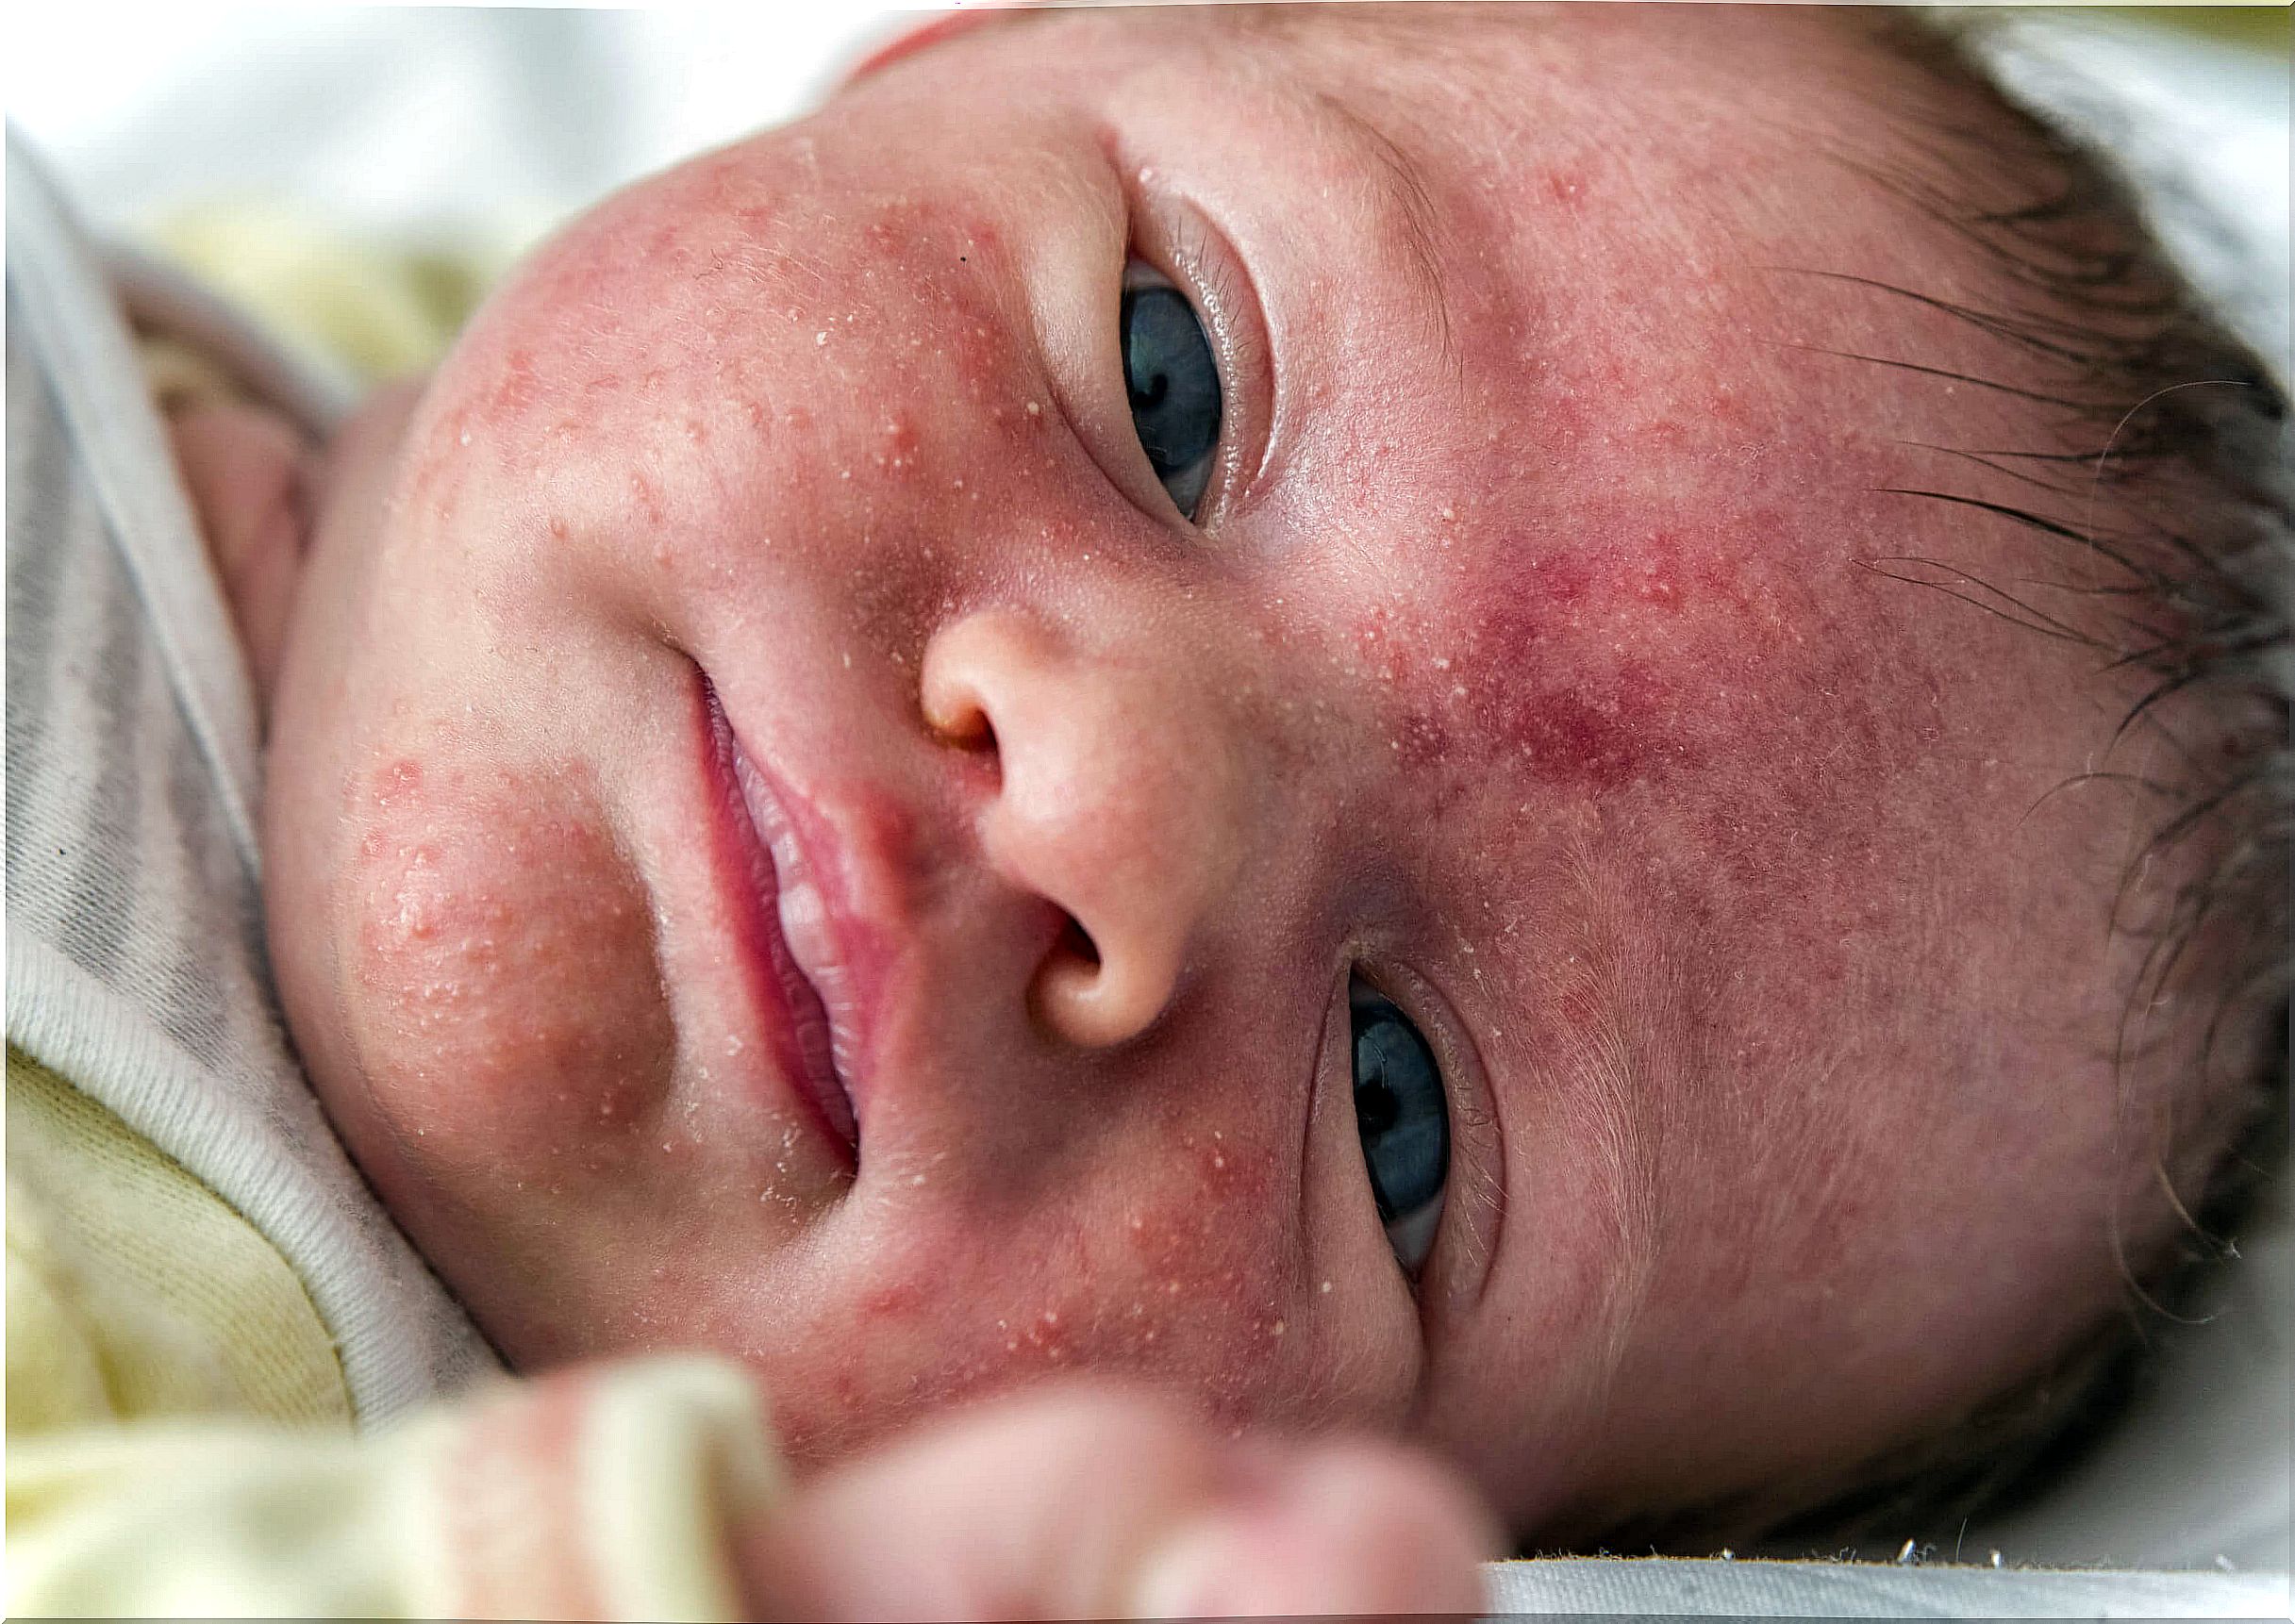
[1404, 1120]
[1174, 388]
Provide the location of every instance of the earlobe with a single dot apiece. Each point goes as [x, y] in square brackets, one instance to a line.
[919, 37]
[249, 476]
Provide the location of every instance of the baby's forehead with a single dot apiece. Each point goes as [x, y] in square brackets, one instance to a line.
[1559, 72]
[1611, 508]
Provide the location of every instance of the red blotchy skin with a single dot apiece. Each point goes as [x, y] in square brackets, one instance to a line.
[432, 941]
[1598, 734]
[1705, 640]
[1526, 663]
[1137, 1292]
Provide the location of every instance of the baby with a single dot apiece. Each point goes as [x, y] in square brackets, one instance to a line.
[1435, 725]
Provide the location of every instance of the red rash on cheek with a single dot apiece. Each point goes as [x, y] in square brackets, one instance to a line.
[1564, 189]
[1171, 1283]
[1620, 655]
[1697, 706]
[861, 401]
[515, 389]
[500, 970]
[1566, 668]
[1581, 712]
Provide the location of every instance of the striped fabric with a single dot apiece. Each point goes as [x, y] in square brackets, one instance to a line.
[135, 953]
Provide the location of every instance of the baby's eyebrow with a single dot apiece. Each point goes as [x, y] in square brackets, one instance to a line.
[1405, 200]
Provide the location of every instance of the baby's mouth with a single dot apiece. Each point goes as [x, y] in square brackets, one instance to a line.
[796, 971]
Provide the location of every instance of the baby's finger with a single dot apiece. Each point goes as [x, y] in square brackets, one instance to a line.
[1096, 1502]
[1341, 1528]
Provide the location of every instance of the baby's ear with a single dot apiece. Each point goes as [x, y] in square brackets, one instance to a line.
[249, 476]
[909, 42]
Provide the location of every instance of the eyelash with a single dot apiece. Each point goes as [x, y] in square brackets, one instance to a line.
[1214, 280]
[1458, 1264]
[1368, 994]
[1177, 245]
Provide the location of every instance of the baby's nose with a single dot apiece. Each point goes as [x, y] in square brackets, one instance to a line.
[1116, 800]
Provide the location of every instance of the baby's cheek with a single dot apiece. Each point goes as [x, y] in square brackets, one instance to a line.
[690, 415]
[499, 975]
[1180, 1284]
[1680, 661]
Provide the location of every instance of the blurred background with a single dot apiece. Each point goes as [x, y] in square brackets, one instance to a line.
[445, 118]
[360, 172]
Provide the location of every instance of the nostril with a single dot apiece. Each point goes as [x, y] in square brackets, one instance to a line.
[1076, 943]
[1070, 986]
[963, 725]
[971, 732]
[954, 714]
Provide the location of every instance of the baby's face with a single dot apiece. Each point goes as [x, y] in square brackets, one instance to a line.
[784, 837]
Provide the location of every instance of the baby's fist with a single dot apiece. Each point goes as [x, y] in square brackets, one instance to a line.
[1093, 1501]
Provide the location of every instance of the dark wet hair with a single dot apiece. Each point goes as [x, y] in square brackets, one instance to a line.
[2160, 465]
